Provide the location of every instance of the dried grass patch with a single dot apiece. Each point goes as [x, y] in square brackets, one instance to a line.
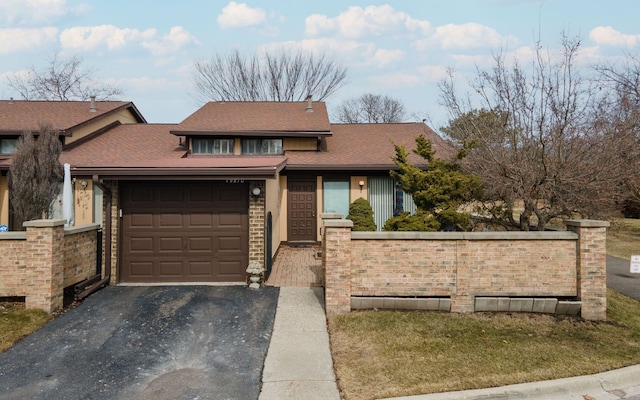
[381, 354]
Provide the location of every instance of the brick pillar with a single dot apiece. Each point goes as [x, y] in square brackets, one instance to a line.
[45, 264]
[336, 260]
[591, 266]
[257, 224]
[462, 301]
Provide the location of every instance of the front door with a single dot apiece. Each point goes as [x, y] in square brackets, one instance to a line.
[302, 209]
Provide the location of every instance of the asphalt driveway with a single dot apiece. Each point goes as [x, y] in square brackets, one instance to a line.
[177, 342]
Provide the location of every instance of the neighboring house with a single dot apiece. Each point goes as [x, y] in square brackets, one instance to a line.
[199, 200]
[75, 122]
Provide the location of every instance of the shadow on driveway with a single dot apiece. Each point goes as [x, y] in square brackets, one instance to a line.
[174, 342]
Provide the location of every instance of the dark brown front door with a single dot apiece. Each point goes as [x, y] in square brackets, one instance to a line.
[302, 210]
[184, 231]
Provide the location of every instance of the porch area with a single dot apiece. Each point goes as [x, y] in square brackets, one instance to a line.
[297, 266]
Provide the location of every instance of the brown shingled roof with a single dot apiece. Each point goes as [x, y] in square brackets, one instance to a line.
[17, 116]
[257, 118]
[367, 146]
[126, 144]
[150, 150]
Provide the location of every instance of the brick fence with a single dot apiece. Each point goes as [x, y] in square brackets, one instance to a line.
[39, 263]
[467, 271]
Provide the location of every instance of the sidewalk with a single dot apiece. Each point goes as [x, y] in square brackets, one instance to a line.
[613, 385]
[298, 363]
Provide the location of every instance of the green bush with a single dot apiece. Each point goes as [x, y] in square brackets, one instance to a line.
[423, 221]
[361, 213]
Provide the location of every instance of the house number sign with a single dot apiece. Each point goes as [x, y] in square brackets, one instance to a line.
[234, 181]
[635, 264]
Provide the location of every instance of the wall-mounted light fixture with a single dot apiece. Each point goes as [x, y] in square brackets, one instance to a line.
[256, 191]
[361, 183]
[84, 184]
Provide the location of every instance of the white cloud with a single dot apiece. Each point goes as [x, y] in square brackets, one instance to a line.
[20, 39]
[175, 40]
[331, 46]
[470, 35]
[92, 37]
[434, 73]
[24, 12]
[606, 35]
[240, 15]
[358, 22]
[397, 80]
[383, 57]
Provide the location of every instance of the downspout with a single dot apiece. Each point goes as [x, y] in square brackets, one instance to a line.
[107, 251]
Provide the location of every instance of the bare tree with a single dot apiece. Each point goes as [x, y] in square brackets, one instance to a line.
[370, 108]
[62, 79]
[35, 174]
[539, 138]
[624, 81]
[278, 76]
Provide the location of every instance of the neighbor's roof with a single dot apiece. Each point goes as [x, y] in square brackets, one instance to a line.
[257, 118]
[149, 150]
[17, 116]
[367, 147]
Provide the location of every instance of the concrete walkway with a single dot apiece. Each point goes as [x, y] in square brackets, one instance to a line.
[298, 363]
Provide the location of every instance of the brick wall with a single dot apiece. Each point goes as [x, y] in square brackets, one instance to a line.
[12, 263]
[40, 263]
[463, 266]
[79, 254]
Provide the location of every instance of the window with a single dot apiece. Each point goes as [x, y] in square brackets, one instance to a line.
[261, 146]
[336, 197]
[212, 146]
[8, 146]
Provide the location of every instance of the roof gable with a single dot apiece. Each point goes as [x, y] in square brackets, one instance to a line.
[17, 116]
[257, 118]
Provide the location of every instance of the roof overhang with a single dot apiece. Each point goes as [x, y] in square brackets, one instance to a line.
[251, 133]
[344, 167]
[157, 172]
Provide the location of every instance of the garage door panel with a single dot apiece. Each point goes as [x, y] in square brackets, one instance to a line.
[230, 269]
[141, 220]
[169, 195]
[142, 269]
[201, 244]
[174, 221]
[184, 231]
[200, 220]
[200, 269]
[141, 245]
[230, 243]
[169, 268]
[229, 219]
[170, 244]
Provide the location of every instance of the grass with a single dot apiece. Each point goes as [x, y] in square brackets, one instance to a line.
[623, 238]
[16, 322]
[393, 353]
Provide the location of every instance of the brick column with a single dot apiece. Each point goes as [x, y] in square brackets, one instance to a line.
[591, 266]
[257, 224]
[462, 301]
[45, 264]
[336, 260]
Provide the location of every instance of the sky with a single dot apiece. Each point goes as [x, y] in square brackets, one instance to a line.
[400, 49]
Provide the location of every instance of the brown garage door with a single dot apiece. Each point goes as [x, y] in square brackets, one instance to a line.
[184, 232]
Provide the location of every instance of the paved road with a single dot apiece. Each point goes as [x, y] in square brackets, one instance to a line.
[620, 279]
[179, 342]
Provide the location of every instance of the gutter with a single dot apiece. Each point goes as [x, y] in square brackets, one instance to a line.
[100, 283]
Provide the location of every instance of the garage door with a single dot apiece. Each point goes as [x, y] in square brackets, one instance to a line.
[184, 232]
